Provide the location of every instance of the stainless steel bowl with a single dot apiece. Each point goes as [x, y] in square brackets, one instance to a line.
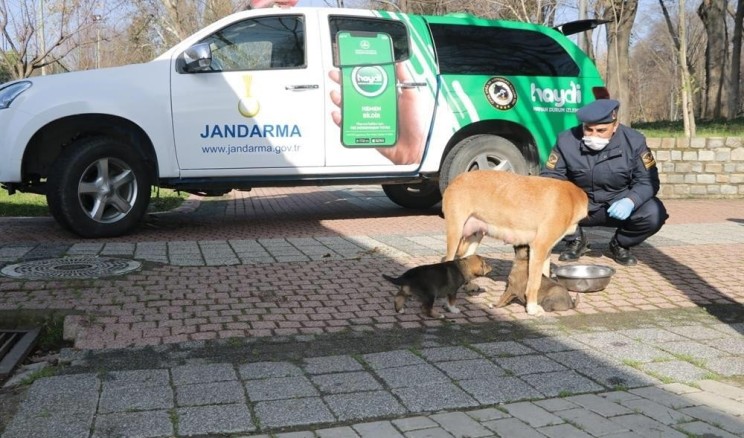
[584, 278]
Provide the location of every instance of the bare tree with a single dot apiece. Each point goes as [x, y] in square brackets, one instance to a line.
[41, 33]
[654, 73]
[713, 15]
[621, 14]
[688, 112]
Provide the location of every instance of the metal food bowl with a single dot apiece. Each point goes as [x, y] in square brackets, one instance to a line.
[583, 278]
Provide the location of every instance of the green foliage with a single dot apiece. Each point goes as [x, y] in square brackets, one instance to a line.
[32, 205]
[712, 128]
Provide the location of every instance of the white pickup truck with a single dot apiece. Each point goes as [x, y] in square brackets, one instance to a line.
[255, 99]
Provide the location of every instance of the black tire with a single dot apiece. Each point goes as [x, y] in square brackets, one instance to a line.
[98, 187]
[417, 196]
[482, 151]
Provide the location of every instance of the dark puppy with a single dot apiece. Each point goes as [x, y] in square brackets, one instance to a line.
[552, 296]
[438, 280]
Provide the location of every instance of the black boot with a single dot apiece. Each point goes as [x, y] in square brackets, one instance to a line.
[621, 255]
[575, 249]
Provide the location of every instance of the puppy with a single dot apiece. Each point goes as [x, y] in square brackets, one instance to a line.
[437, 280]
[518, 209]
[552, 296]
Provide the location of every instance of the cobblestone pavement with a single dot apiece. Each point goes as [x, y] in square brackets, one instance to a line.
[265, 314]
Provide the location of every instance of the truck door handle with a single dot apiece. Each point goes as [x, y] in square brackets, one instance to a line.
[301, 87]
[411, 84]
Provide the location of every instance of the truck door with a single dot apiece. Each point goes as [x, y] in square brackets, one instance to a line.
[415, 83]
[257, 107]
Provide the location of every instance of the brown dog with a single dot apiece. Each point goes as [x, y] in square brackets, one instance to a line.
[438, 280]
[518, 209]
[551, 296]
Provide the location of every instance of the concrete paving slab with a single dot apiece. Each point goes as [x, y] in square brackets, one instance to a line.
[264, 370]
[412, 375]
[346, 382]
[331, 364]
[675, 370]
[190, 374]
[364, 405]
[499, 390]
[646, 427]
[146, 424]
[280, 388]
[513, 427]
[471, 369]
[528, 364]
[502, 349]
[221, 419]
[434, 397]
[561, 383]
[293, 412]
[211, 393]
[391, 359]
[563, 431]
[443, 354]
[135, 398]
[619, 377]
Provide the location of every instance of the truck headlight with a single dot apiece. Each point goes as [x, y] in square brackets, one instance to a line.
[10, 92]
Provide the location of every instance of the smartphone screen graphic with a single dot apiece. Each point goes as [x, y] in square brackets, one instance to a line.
[369, 101]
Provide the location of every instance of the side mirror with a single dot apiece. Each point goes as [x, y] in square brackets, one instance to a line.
[197, 58]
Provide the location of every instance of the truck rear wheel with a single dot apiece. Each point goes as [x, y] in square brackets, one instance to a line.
[416, 196]
[484, 151]
[99, 187]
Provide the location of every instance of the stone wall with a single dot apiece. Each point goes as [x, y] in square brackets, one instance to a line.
[700, 167]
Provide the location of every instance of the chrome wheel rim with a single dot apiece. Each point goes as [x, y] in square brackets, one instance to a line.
[107, 190]
[490, 162]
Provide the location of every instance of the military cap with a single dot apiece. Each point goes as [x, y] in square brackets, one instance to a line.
[599, 111]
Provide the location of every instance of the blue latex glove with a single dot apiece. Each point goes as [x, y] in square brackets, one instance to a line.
[621, 209]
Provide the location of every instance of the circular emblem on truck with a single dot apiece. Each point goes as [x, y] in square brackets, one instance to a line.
[369, 81]
[500, 93]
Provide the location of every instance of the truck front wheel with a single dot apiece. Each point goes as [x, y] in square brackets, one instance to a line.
[484, 151]
[416, 196]
[99, 187]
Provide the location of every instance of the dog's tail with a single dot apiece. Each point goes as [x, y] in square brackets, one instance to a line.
[395, 280]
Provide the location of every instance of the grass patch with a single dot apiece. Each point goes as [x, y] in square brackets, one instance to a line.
[713, 128]
[36, 375]
[33, 205]
[22, 205]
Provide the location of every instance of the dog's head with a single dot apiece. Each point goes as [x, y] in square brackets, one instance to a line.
[476, 265]
[521, 252]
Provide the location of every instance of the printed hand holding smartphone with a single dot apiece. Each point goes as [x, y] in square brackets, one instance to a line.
[409, 147]
[369, 108]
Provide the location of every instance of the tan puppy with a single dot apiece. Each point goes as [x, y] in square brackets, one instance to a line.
[437, 280]
[551, 296]
[518, 209]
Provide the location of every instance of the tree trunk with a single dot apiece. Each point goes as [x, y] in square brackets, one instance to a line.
[734, 99]
[621, 13]
[688, 113]
[713, 15]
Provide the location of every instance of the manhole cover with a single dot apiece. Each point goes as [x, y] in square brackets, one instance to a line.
[70, 267]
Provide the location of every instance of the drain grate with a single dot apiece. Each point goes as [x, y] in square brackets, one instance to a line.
[70, 268]
[14, 347]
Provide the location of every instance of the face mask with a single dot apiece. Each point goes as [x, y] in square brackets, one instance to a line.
[595, 143]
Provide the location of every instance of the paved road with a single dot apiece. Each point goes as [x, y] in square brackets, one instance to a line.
[265, 313]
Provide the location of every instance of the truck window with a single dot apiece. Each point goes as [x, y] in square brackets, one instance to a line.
[259, 44]
[395, 29]
[499, 51]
